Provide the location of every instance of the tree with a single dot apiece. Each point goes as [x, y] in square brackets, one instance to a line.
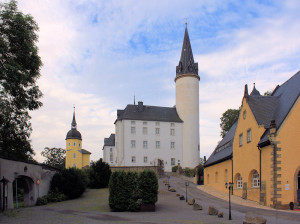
[99, 174]
[227, 120]
[54, 157]
[19, 70]
[268, 93]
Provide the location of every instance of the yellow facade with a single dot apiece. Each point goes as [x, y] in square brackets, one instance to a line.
[266, 171]
[73, 154]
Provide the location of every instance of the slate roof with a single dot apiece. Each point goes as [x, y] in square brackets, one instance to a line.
[287, 95]
[110, 141]
[149, 113]
[186, 64]
[83, 151]
[224, 149]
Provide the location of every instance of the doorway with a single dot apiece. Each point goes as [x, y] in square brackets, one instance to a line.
[23, 192]
[298, 188]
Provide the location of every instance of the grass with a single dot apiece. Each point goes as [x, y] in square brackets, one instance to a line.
[11, 213]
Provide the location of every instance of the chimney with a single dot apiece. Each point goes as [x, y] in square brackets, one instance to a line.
[140, 106]
[204, 159]
[246, 91]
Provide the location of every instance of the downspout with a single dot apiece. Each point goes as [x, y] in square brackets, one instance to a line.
[259, 168]
[232, 173]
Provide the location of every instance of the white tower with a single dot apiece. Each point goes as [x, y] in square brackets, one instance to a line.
[187, 103]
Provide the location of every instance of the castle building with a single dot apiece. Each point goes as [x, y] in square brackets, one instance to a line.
[76, 156]
[260, 153]
[152, 135]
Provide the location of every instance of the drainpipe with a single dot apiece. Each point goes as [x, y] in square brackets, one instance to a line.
[232, 174]
[259, 168]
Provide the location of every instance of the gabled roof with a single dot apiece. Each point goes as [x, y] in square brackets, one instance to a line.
[287, 95]
[110, 141]
[223, 151]
[186, 64]
[148, 113]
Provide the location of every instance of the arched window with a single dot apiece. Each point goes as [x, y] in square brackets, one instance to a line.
[216, 177]
[74, 165]
[239, 182]
[74, 155]
[207, 178]
[226, 176]
[255, 179]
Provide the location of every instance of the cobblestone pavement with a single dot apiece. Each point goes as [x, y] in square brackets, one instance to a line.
[92, 208]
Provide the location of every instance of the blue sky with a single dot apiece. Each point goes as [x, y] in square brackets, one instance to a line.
[98, 54]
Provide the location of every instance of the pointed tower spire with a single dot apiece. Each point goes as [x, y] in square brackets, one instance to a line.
[186, 64]
[255, 92]
[74, 124]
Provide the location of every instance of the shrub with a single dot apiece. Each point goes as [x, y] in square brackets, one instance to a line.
[99, 174]
[42, 200]
[148, 187]
[55, 196]
[123, 191]
[174, 169]
[189, 172]
[200, 171]
[71, 182]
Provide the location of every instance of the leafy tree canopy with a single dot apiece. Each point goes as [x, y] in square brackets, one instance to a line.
[19, 71]
[54, 157]
[227, 120]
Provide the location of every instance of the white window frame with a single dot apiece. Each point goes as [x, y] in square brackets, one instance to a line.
[111, 157]
[145, 130]
[239, 182]
[255, 181]
[249, 135]
[144, 122]
[145, 159]
[132, 130]
[241, 139]
[133, 122]
[133, 159]
[172, 132]
[145, 144]
[172, 145]
[157, 144]
[156, 123]
[172, 124]
[133, 144]
[157, 131]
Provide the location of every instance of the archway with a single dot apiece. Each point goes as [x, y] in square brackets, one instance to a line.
[298, 187]
[23, 190]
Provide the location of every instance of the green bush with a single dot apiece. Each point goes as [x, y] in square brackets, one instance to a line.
[99, 174]
[42, 200]
[189, 172]
[148, 187]
[128, 190]
[55, 196]
[174, 169]
[71, 182]
[200, 171]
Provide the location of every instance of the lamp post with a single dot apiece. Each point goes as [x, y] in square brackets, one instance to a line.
[168, 182]
[186, 185]
[230, 186]
[16, 178]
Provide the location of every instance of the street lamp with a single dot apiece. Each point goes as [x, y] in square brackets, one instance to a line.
[186, 185]
[16, 178]
[168, 182]
[230, 186]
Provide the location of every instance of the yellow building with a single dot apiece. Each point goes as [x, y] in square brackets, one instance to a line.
[76, 156]
[260, 154]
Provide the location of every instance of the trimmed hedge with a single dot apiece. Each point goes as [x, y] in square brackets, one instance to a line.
[71, 182]
[127, 190]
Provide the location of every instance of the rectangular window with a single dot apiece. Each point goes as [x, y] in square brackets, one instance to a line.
[249, 136]
[145, 123]
[133, 160]
[156, 123]
[173, 161]
[172, 125]
[241, 139]
[132, 130]
[132, 144]
[157, 131]
[145, 159]
[157, 144]
[172, 131]
[133, 122]
[145, 130]
[172, 145]
[111, 157]
[145, 144]
[111, 150]
[74, 155]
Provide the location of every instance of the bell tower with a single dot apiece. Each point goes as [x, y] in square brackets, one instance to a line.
[187, 103]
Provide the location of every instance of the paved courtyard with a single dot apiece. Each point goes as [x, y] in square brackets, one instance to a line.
[92, 207]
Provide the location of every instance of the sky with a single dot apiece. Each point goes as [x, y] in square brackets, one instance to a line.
[98, 54]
